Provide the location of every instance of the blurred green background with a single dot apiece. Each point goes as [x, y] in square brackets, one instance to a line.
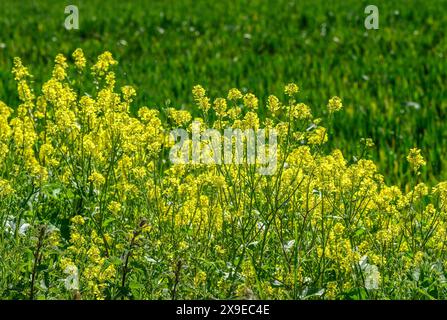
[392, 80]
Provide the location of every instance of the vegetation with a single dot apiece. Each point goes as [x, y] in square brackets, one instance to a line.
[91, 207]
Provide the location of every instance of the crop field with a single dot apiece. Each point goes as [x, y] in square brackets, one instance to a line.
[121, 175]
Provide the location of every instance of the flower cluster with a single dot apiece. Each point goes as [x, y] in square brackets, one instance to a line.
[134, 225]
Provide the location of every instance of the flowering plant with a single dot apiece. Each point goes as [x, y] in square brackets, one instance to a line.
[91, 207]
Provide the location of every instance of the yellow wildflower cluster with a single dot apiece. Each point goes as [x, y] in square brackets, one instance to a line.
[291, 89]
[334, 104]
[96, 272]
[415, 159]
[201, 99]
[136, 225]
[79, 59]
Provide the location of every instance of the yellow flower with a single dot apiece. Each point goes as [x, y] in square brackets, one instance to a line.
[5, 188]
[78, 220]
[180, 117]
[250, 101]
[334, 104]
[317, 136]
[251, 120]
[198, 92]
[234, 113]
[110, 79]
[368, 142]
[234, 94]
[219, 249]
[200, 97]
[114, 207]
[61, 65]
[418, 258]
[300, 111]
[199, 278]
[415, 159]
[20, 72]
[331, 290]
[291, 89]
[220, 106]
[97, 179]
[273, 104]
[128, 93]
[105, 60]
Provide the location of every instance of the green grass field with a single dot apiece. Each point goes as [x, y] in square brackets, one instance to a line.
[166, 47]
